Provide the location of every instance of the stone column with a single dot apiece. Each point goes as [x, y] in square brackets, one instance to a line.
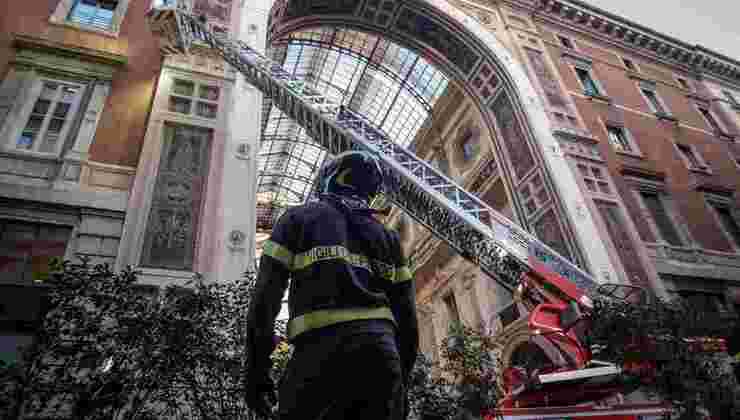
[239, 186]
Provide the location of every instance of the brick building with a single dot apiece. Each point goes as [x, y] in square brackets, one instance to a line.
[648, 126]
[612, 143]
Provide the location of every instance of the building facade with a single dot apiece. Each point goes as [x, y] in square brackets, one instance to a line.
[612, 143]
[648, 127]
[111, 152]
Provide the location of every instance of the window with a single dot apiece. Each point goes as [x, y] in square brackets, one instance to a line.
[50, 118]
[565, 42]
[728, 222]
[190, 98]
[731, 98]
[690, 157]
[452, 311]
[594, 178]
[663, 222]
[589, 84]
[710, 119]
[684, 83]
[629, 64]
[94, 13]
[618, 139]
[655, 104]
[27, 250]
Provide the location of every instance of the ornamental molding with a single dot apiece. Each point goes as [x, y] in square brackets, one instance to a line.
[48, 47]
[631, 35]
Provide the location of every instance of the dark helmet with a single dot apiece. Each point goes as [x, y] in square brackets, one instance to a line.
[354, 174]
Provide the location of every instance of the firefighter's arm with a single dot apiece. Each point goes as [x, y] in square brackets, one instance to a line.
[403, 302]
[265, 304]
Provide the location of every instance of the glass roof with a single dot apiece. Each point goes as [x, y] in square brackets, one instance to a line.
[392, 86]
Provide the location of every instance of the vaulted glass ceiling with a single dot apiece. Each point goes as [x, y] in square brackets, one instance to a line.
[389, 84]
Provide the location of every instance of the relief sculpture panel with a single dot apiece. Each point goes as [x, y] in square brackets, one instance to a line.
[170, 237]
[512, 136]
[548, 82]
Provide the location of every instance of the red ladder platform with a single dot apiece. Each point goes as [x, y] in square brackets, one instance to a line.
[586, 412]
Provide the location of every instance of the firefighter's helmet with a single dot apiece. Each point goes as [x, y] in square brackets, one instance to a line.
[355, 174]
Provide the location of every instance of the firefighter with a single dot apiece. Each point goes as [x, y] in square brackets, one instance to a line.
[351, 302]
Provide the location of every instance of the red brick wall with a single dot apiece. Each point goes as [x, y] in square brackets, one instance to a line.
[122, 125]
[655, 138]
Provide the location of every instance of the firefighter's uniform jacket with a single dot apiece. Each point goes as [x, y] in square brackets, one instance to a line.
[343, 265]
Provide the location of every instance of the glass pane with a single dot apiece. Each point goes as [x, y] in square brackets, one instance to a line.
[41, 107]
[180, 105]
[50, 143]
[588, 84]
[34, 123]
[69, 93]
[25, 141]
[207, 110]
[61, 110]
[209, 92]
[49, 91]
[183, 87]
[55, 125]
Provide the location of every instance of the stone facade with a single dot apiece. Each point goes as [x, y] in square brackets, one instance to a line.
[664, 200]
[87, 107]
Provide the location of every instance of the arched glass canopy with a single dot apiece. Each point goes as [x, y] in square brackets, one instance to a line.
[392, 86]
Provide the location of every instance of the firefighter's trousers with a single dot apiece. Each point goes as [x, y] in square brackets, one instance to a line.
[349, 371]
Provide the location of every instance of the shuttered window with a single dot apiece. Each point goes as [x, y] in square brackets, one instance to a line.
[94, 13]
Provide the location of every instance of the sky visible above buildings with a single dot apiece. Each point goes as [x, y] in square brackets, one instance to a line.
[713, 24]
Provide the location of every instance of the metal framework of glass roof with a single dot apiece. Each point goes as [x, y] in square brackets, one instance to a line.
[392, 86]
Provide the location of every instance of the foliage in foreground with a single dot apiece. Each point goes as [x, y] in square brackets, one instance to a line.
[110, 348]
[661, 332]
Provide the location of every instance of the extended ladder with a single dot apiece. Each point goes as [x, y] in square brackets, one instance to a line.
[476, 231]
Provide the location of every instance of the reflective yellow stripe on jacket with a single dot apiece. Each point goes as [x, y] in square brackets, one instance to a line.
[303, 260]
[326, 317]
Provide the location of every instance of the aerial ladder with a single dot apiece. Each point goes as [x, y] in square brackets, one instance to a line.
[500, 248]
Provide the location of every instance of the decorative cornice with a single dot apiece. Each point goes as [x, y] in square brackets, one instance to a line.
[632, 35]
[643, 173]
[709, 187]
[55, 48]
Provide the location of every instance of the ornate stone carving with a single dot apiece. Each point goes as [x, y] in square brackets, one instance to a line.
[549, 83]
[439, 37]
[512, 136]
[174, 217]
